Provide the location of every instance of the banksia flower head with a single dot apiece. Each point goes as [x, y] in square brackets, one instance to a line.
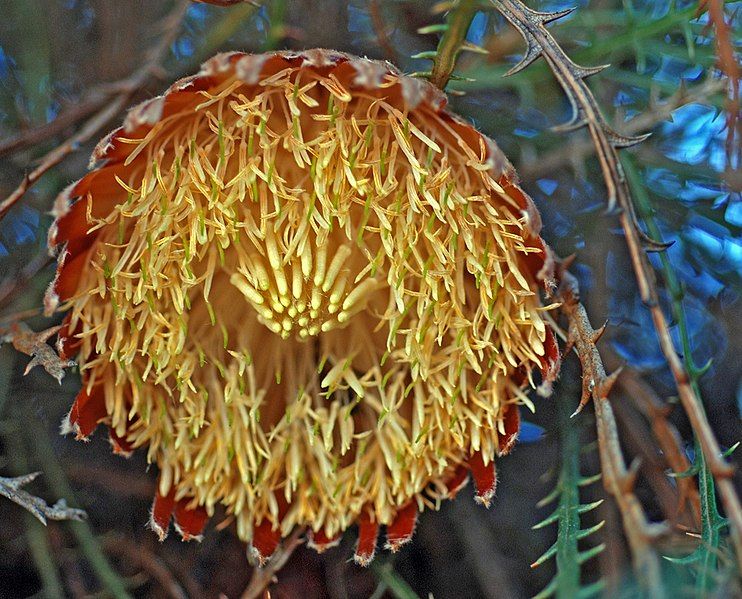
[309, 292]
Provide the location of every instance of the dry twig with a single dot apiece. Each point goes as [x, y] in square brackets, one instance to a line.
[92, 102]
[586, 113]
[12, 489]
[657, 411]
[171, 27]
[262, 577]
[35, 345]
[381, 30]
[617, 478]
[730, 67]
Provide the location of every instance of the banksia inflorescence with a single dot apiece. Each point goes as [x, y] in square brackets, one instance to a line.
[311, 293]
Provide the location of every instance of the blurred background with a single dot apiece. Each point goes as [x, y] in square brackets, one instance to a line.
[69, 67]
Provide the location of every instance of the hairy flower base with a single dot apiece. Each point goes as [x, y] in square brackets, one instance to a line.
[309, 291]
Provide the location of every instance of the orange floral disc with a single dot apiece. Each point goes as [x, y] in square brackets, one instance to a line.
[311, 293]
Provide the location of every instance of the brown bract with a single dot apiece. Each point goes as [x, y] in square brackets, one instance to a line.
[309, 291]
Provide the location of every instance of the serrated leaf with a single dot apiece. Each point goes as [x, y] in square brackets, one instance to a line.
[566, 515]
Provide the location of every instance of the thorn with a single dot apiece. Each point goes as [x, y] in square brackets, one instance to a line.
[550, 17]
[550, 519]
[612, 208]
[575, 123]
[435, 28]
[568, 261]
[43, 336]
[589, 480]
[532, 53]
[585, 72]
[549, 553]
[692, 471]
[590, 553]
[607, 383]
[623, 141]
[597, 334]
[551, 497]
[582, 534]
[588, 507]
[428, 55]
[652, 245]
[569, 345]
[629, 480]
[585, 398]
[455, 77]
[698, 372]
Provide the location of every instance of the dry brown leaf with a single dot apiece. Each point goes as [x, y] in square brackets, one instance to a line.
[35, 345]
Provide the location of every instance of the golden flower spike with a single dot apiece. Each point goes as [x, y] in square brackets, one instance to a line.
[309, 291]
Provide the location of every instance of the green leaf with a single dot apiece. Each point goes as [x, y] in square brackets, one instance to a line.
[567, 582]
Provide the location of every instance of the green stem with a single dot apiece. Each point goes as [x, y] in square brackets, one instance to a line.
[41, 551]
[457, 26]
[224, 28]
[566, 584]
[394, 583]
[567, 556]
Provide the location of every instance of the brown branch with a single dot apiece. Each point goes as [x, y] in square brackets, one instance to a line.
[13, 285]
[262, 577]
[586, 113]
[618, 480]
[171, 27]
[380, 28]
[656, 411]
[729, 65]
[141, 557]
[638, 440]
[93, 102]
[657, 113]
